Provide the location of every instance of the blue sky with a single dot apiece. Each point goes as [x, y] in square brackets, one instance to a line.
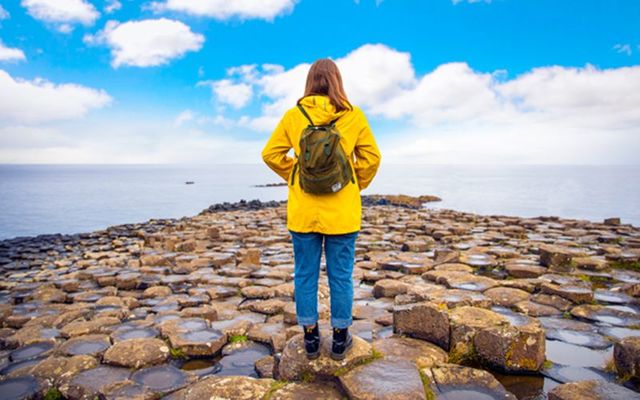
[502, 81]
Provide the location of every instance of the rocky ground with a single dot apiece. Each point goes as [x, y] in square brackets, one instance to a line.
[448, 305]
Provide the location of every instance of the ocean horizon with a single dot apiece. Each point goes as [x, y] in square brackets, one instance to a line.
[75, 198]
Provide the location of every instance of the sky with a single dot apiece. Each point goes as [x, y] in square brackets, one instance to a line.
[206, 81]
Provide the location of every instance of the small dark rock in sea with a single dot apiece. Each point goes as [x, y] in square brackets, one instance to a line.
[242, 205]
[189, 182]
[272, 184]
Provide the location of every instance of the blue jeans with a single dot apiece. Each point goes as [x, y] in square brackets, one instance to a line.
[340, 256]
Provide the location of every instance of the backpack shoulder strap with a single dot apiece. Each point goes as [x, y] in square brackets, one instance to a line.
[305, 114]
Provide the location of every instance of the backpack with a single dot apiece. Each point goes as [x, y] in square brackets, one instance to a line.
[324, 166]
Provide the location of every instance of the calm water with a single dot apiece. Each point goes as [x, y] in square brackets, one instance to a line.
[36, 199]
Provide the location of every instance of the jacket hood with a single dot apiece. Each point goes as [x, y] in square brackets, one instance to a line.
[320, 109]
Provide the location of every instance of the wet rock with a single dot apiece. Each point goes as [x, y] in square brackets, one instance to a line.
[55, 369]
[389, 288]
[512, 348]
[607, 315]
[534, 309]
[556, 258]
[294, 363]
[225, 388]
[421, 353]
[626, 355]
[137, 353]
[507, 297]
[89, 384]
[129, 391]
[458, 382]
[198, 343]
[423, 320]
[161, 378]
[240, 358]
[31, 351]
[266, 367]
[22, 388]
[93, 345]
[393, 378]
[573, 293]
[592, 390]
[157, 291]
[97, 325]
[465, 323]
[520, 270]
[311, 390]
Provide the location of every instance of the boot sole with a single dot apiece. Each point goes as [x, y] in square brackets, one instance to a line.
[341, 356]
[313, 356]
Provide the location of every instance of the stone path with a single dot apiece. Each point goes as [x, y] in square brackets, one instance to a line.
[447, 305]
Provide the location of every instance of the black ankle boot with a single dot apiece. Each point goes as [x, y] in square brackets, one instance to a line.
[342, 342]
[312, 341]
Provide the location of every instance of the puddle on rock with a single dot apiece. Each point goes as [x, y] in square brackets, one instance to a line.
[31, 351]
[242, 361]
[524, 387]
[135, 333]
[586, 339]
[619, 333]
[24, 387]
[566, 373]
[577, 356]
[160, 378]
[611, 297]
[514, 318]
[201, 367]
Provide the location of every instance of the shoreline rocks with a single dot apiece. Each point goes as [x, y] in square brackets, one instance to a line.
[444, 301]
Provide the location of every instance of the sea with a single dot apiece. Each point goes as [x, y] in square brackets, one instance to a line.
[46, 199]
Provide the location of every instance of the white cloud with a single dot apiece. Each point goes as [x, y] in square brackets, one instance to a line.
[11, 54]
[147, 43]
[549, 114]
[183, 117]
[123, 140]
[112, 6]
[225, 9]
[236, 95]
[39, 101]
[4, 14]
[62, 13]
[623, 48]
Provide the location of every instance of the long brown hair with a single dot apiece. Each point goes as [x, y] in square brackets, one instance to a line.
[324, 79]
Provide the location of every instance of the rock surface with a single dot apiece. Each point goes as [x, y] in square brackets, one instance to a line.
[431, 286]
[294, 364]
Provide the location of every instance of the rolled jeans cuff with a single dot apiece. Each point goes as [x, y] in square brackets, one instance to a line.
[341, 323]
[306, 321]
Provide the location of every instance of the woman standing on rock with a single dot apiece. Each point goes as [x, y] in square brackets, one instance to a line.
[335, 156]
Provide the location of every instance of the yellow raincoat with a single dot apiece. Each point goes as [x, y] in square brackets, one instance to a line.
[333, 213]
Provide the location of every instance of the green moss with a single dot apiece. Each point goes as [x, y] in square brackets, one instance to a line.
[426, 384]
[610, 366]
[177, 353]
[463, 353]
[566, 315]
[548, 364]
[275, 386]
[375, 355]
[308, 377]
[238, 339]
[53, 394]
[630, 265]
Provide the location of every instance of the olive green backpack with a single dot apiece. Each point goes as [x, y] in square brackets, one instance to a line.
[324, 166]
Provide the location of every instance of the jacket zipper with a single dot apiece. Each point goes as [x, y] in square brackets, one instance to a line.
[293, 173]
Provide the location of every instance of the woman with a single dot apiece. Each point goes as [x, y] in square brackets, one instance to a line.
[332, 218]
